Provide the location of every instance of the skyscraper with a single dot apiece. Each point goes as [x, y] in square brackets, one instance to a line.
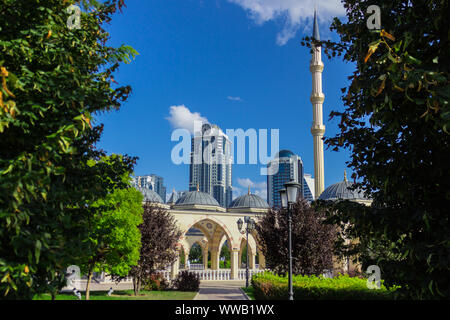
[308, 187]
[290, 167]
[211, 161]
[317, 98]
[152, 182]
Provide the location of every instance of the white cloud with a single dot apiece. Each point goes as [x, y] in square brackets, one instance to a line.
[293, 13]
[234, 98]
[258, 188]
[182, 117]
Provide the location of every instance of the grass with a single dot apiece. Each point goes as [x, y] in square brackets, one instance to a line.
[125, 295]
[249, 292]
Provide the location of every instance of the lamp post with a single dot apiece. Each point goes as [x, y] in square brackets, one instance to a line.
[250, 225]
[288, 198]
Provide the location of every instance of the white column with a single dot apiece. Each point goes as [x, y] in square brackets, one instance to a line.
[234, 263]
[252, 261]
[175, 268]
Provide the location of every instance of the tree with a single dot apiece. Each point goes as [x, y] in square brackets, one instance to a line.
[159, 240]
[115, 239]
[225, 256]
[312, 240]
[195, 254]
[396, 125]
[54, 80]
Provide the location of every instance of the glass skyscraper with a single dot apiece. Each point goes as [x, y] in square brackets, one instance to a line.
[308, 187]
[290, 167]
[211, 161]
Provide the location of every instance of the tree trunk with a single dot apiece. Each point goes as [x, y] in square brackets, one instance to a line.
[135, 285]
[88, 283]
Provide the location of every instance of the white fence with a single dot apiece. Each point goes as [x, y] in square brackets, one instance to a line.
[223, 274]
[217, 275]
[196, 266]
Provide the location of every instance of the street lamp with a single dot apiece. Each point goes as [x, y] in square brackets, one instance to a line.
[288, 198]
[249, 227]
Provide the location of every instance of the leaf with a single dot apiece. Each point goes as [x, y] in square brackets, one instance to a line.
[5, 278]
[380, 89]
[396, 87]
[372, 48]
[383, 33]
[37, 250]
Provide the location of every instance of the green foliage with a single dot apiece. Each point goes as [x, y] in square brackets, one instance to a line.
[267, 286]
[114, 238]
[396, 125]
[225, 251]
[244, 254]
[195, 254]
[187, 281]
[54, 80]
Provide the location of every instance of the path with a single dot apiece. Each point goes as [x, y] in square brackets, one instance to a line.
[221, 290]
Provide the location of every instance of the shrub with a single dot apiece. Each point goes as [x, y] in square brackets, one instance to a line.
[187, 281]
[155, 282]
[267, 286]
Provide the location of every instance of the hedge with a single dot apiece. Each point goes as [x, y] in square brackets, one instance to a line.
[267, 286]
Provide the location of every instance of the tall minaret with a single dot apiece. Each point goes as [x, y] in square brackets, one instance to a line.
[317, 98]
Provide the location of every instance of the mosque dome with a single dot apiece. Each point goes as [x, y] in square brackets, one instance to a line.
[196, 198]
[150, 195]
[341, 191]
[249, 201]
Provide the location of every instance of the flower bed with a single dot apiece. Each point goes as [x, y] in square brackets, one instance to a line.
[267, 286]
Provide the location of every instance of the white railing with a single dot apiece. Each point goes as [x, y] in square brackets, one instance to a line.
[209, 274]
[223, 274]
[196, 266]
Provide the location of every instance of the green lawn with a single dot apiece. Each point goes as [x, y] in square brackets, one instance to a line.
[125, 295]
[249, 292]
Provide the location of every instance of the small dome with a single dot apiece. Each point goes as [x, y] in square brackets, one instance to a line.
[197, 198]
[341, 190]
[249, 201]
[284, 154]
[150, 195]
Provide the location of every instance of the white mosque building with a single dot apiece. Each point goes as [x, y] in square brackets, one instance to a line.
[203, 221]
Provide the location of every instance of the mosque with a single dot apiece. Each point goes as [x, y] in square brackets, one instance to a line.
[204, 221]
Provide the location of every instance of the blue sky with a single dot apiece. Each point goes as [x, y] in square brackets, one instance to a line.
[238, 63]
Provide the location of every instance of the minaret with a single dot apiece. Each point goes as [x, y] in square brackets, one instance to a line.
[317, 98]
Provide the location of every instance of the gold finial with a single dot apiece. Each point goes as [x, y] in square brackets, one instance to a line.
[248, 189]
[345, 175]
[198, 187]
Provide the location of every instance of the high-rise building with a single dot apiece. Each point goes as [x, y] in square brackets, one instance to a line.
[286, 166]
[152, 182]
[211, 161]
[317, 98]
[308, 187]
